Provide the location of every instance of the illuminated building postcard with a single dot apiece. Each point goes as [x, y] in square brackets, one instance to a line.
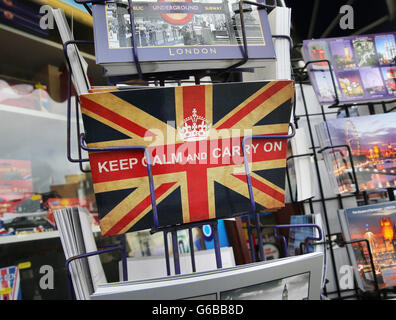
[194, 136]
[372, 141]
[364, 67]
[375, 223]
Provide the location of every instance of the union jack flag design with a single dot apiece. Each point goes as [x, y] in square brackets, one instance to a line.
[10, 283]
[194, 136]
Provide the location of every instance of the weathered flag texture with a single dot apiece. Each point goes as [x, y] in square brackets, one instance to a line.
[194, 136]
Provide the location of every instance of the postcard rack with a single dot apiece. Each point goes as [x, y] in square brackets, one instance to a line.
[177, 77]
[300, 74]
[180, 75]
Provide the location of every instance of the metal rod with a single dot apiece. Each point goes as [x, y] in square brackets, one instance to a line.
[384, 107]
[284, 242]
[250, 237]
[133, 40]
[77, 102]
[166, 248]
[372, 25]
[371, 262]
[340, 204]
[321, 192]
[84, 255]
[299, 155]
[391, 194]
[217, 245]
[149, 169]
[315, 114]
[303, 225]
[335, 198]
[69, 86]
[176, 257]
[362, 104]
[124, 258]
[259, 237]
[350, 160]
[289, 184]
[313, 19]
[311, 209]
[246, 162]
[197, 80]
[192, 253]
[366, 197]
[347, 113]
[250, 187]
[371, 108]
[288, 175]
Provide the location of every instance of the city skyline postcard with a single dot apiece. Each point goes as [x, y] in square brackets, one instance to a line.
[342, 53]
[364, 68]
[384, 45]
[376, 223]
[372, 140]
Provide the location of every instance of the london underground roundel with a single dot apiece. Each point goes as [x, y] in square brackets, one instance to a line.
[177, 18]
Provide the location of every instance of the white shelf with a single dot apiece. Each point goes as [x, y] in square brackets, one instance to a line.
[34, 236]
[28, 237]
[43, 133]
[32, 113]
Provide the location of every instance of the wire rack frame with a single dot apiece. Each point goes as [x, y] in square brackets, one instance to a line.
[173, 229]
[322, 199]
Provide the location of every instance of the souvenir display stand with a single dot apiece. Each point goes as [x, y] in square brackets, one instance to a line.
[300, 74]
[159, 79]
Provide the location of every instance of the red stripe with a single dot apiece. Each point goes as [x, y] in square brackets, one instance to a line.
[253, 104]
[138, 209]
[193, 98]
[197, 192]
[263, 187]
[114, 117]
[5, 284]
[139, 170]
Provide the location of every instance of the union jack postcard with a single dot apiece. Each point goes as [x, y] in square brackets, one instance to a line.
[194, 137]
[10, 283]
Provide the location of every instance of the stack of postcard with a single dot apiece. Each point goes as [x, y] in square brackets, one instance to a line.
[77, 238]
[375, 224]
[364, 67]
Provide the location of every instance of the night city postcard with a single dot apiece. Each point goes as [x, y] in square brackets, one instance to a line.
[372, 141]
[375, 223]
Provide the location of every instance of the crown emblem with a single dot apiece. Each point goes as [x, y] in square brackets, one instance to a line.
[194, 127]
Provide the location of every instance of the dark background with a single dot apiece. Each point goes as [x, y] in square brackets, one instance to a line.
[321, 13]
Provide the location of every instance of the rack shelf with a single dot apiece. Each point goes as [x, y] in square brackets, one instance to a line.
[33, 115]
[35, 236]
[21, 125]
